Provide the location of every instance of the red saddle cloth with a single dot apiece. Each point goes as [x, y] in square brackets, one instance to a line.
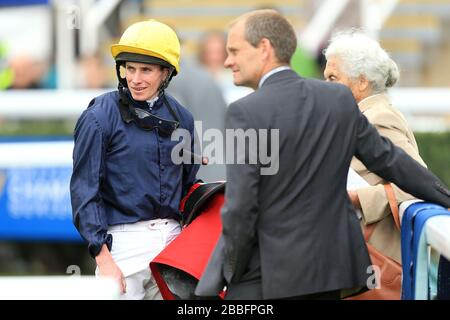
[180, 265]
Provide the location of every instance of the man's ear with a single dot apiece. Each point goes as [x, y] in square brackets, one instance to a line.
[266, 47]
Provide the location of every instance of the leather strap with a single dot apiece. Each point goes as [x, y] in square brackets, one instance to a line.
[368, 230]
[392, 203]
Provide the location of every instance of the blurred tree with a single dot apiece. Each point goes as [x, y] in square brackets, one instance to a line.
[305, 64]
[6, 75]
[435, 151]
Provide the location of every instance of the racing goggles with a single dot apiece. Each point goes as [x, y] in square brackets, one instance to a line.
[147, 121]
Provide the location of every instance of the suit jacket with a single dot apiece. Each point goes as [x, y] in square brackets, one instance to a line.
[300, 221]
[391, 124]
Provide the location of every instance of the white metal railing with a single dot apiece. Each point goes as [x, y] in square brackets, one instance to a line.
[87, 16]
[36, 154]
[438, 234]
[95, 13]
[45, 104]
[319, 27]
[426, 109]
[65, 42]
[435, 235]
[374, 13]
[437, 230]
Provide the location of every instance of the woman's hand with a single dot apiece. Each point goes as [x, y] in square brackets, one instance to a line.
[353, 195]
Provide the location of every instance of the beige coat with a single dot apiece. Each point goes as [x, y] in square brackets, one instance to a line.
[391, 124]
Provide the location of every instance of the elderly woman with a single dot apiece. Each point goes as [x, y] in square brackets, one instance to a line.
[357, 61]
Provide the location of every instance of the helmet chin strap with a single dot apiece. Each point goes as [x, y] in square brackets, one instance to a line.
[164, 84]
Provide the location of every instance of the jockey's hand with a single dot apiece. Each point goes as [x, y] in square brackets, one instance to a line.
[108, 268]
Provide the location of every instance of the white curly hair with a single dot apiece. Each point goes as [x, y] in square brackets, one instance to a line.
[361, 55]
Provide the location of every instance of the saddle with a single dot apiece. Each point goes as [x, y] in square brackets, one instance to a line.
[198, 196]
[178, 268]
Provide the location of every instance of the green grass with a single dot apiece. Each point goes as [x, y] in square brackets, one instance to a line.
[37, 128]
[435, 151]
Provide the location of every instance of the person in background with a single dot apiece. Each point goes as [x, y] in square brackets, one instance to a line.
[358, 62]
[93, 74]
[125, 187]
[212, 54]
[196, 89]
[20, 71]
[27, 72]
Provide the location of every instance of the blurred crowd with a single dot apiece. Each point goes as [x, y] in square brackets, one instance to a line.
[24, 71]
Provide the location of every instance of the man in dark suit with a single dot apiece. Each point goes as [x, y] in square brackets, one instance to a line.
[294, 234]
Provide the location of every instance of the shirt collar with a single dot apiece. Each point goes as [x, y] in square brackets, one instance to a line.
[143, 104]
[271, 72]
[152, 101]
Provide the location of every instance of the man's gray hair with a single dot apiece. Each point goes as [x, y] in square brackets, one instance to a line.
[361, 55]
[273, 26]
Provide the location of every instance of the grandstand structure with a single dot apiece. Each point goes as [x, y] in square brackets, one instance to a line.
[414, 32]
[417, 36]
[192, 18]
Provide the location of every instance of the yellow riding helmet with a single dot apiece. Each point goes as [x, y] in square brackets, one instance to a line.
[149, 39]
